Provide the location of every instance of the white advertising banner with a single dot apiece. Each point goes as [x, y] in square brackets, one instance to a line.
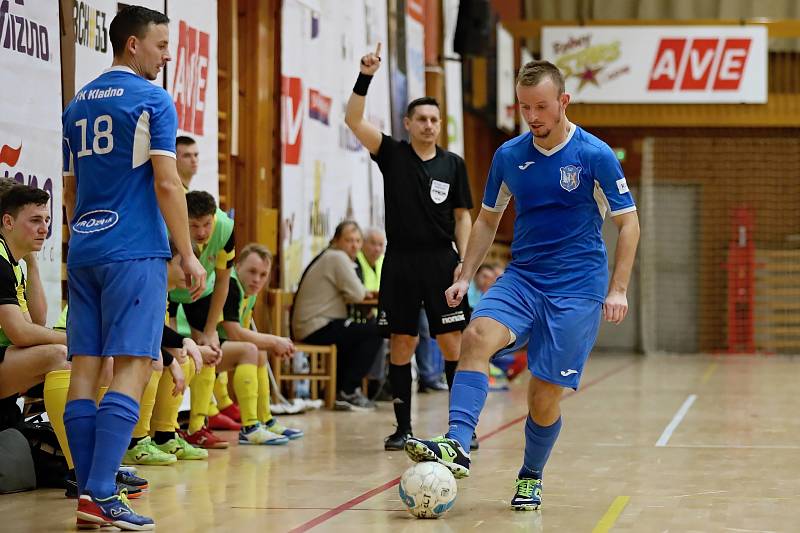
[661, 64]
[452, 81]
[326, 174]
[506, 97]
[30, 119]
[415, 48]
[192, 82]
[91, 20]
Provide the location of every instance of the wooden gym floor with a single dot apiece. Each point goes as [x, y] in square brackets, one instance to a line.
[650, 444]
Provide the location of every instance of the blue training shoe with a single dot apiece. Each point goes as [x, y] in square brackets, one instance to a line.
[112, 511]
[528, 496]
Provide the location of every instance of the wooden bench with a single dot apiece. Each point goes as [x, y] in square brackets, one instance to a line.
[321, 359]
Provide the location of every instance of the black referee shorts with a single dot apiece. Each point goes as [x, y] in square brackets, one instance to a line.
[411, 279]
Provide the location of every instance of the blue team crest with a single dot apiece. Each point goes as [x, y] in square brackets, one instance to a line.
[570, 177]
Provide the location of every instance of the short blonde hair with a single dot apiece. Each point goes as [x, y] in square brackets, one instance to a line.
[254, 248]
[533, 72]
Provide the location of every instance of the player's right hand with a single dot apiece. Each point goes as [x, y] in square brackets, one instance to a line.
[456, 293]
[195, 276]
[371, 62]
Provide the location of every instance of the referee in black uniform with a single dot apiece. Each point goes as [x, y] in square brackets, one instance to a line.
[427, 199]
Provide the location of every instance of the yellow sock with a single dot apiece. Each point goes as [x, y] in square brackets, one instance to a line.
[56, 385]
[221, 391]
[245, 383]
[165, 412]
[264, 412]
[146, 405]
[202, 389]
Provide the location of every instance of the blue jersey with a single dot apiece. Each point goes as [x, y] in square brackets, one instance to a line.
[111, 128]
[561, 197]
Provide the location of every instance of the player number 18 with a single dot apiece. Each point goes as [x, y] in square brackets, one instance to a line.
[102, 142]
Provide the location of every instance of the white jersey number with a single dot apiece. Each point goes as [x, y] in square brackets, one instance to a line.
[103, 140]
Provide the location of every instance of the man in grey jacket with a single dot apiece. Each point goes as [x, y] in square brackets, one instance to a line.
[320, 314]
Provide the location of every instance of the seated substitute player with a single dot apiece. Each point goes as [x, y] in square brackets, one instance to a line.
[249, 277]
[28, 350]
[556, 290]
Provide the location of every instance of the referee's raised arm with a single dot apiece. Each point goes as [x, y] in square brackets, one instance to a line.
[367, 133]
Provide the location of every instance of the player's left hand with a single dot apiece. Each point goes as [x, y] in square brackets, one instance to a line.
[210, 339]
[615, 307]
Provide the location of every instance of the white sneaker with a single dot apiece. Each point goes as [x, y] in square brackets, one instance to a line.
[258, 434]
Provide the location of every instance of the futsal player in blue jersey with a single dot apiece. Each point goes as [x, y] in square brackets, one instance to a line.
[121, 186]
[556, 290]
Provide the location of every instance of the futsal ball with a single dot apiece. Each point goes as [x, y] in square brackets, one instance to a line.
[428, 489]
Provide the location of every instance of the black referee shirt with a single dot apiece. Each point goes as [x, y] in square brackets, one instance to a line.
[420, 196]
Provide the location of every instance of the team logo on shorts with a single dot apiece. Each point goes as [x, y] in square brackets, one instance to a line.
[570, 177]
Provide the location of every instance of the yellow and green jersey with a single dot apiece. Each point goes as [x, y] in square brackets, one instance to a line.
[12, 285]
[217, 253]
[238, 306]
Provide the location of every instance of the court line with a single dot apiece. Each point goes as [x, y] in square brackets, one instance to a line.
[709, 371]
[610, 518]
[676, 420]
[324, 517]
[708, 446]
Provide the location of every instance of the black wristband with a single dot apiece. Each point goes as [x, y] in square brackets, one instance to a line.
[362, 84]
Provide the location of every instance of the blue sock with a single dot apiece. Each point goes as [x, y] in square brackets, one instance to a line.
[539, 442]
[79, 422]
[466, 403]
[116, 418]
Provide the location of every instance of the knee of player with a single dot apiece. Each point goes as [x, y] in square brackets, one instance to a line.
[250, 355]
[56, 356]
[158, 365]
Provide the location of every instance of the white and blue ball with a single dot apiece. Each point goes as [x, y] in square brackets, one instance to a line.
[428, 490]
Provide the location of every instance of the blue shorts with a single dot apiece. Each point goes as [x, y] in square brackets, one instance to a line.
[559, 331]
[117, 308]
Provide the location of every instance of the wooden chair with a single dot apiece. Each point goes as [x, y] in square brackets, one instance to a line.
[321, 359]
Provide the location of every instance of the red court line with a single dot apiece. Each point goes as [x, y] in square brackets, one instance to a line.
[324, 517]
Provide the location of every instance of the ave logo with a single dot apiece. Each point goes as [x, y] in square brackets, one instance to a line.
[191, 78]
[699, 64]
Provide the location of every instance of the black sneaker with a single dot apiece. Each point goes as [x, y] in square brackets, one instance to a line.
[528, 496]
[473, 444]
[397, 440]
[447, 452]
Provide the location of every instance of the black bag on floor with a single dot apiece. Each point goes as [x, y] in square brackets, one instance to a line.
[48, 458]
[17, 472]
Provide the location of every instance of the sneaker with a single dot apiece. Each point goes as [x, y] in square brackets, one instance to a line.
[447, 452]
[528, 496]
[233, 412]
[204, 438]
[146, 453]
[135, 485]
[353, 402]
[183, 450]
[258, 434]
[223, 422]
[131, 481]
[289, 433]
[397, 440]
[112, 511]
[474, 444]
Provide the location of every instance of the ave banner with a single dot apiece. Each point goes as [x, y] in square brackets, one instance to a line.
[192, 82]
[30, 119]
[660, 64]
